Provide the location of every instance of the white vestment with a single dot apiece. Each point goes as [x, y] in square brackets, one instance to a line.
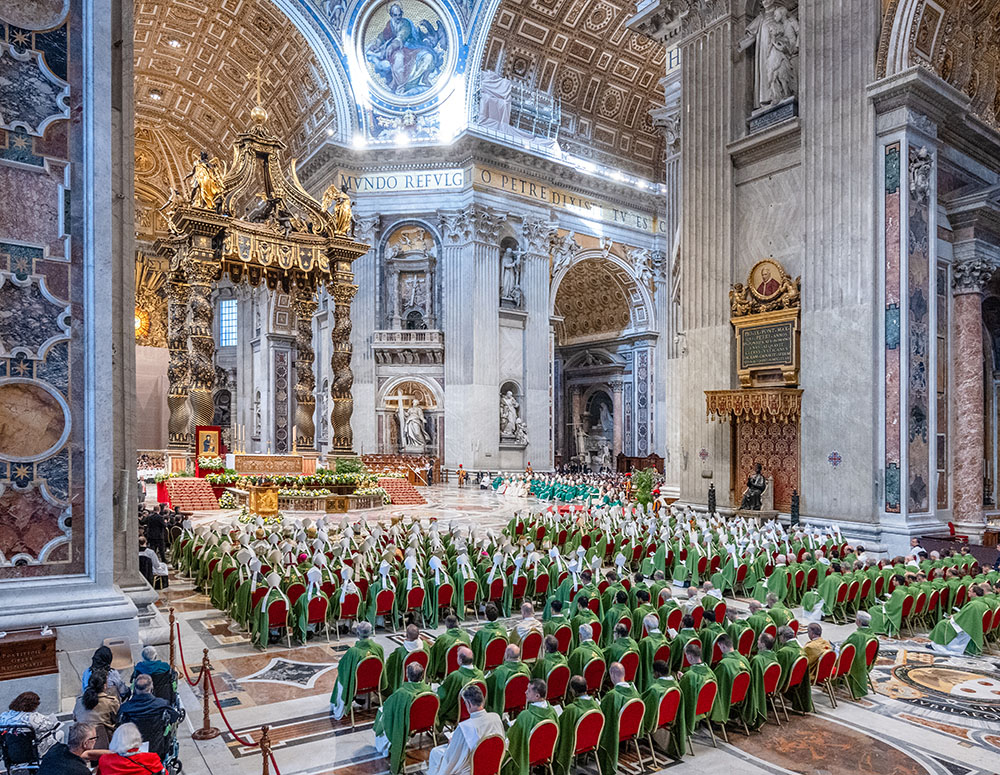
[528, 625]
[456, 757]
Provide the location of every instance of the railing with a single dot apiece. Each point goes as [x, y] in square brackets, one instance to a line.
[409, 338]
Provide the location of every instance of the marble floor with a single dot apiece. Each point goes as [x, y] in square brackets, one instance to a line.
[929, 713]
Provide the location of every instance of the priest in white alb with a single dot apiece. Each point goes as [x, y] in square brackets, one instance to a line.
[456, 757]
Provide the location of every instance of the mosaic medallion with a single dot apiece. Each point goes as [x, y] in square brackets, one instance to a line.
[286, 671]
[406, 48]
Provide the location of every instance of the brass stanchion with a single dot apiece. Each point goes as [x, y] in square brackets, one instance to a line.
[207, 732]
[172, 643]
[265, 751]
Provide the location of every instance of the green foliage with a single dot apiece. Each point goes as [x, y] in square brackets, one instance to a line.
[350, 465]
[642, 485]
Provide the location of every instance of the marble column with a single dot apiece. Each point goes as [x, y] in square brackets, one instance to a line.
[969, 277]
[537, 356]
[618, 410]
[305, 379]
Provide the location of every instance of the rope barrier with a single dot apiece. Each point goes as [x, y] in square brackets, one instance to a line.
[207, 731]
[187, 675]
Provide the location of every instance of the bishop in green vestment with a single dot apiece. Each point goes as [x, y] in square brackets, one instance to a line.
[537, 710]
[498, 679]
[394, 664]
[728, 668]
[661, 683]
[300, 611]
[585, 653]
[857, 677]
[764, 657]
[800, 696]
[612, 705]
[550, 658]
[259, 624]
[487, 633]
[692, 681]
[687, 633]
[621, 645]
[451, 688]
[887, 619]
[648, 648]
[392, 721]
[572, 713]
[442, 644]
[343, 689]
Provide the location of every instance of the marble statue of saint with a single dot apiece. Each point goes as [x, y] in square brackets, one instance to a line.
[756, 484]
[521, 432]
[510, 275]
[606, 455]
[256, 415]
[508, 414]
[581, 438]
[607, 424]
[414, 431]
[775, 37]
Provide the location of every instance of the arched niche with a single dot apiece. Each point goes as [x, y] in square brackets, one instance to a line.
[409, 292]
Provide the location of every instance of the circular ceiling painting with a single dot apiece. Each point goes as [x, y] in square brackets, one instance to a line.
[407, 49]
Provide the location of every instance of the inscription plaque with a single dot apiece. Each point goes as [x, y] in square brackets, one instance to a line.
[768, 345]
[26, 654]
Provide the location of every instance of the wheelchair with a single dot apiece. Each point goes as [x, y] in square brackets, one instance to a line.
[19, 749]
[157, 729]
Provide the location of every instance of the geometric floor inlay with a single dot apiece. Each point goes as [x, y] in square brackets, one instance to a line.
[287, 671]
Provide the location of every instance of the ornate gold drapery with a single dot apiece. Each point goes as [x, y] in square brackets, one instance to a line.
[779, 404]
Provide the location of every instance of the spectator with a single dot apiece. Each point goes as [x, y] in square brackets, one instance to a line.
[98, 705]
[125, 757]
[144, 706]
[71, 757]
[102, 660]
[151, 664]
[156, 533]
[24, 712]
[158, 567]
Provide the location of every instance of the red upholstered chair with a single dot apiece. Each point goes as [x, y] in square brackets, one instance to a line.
[675, 619]
[662, 597]
[562, 576]
[328, 588]
[797, 674]
[514, 700]
[564, 635]
[627, 621]
[665, 717]
[469, 591]
[494, 653]
[541, 586]
[294, 592]
[423, 717]
[415, 601]
[317, 612]
[907, 609]
[367, 680]
[630, 661]
[384, 602]
[772, 678]
[488, 755]
[446, 592]
[812, 578]
[588, 735]
[739, 583]
[737, 694]
[349, 609]
[463, 710]
[824, 672]
[697, 613]
[556, 682]
[771, 630]
[496, 592]
[530, 646]
[793, 625]
[844, 662]
[256, 596]
[420, 657]
[955, 536]
[520, 587]
[879, 586]
[630, 725]
[593, 672]
[716, 651]
[451, 658]
[871, 654]
[596, 628]
[593, 604]
[277, 618]
[720, 612]
[702, 707]
[745, 643]
[542, 744]
[362, 585]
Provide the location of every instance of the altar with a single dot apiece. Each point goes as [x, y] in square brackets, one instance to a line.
[250, 465]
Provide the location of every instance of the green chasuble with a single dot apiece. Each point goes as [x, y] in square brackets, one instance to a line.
[612, 705]
[620, 648]
[780, 615]
[583, 617]
[731, 665]
[691, 682]
[343, 688]
[887, 619]
[544, 665]
[240, 610]
[489, 632]
[553, 623]
[677, 647]
[381, 583]
[640, 613]
[566, 742]
[801, 695]
[300, 613]
[439, 651]
[392, 723]
[758, 622]
[664, 612]
[648, 647]
[497, 680]
[394, 665]
[969, 619]
[707, 634]
[450, 689]
[217, 584]
[432, 586]
[857, 678]
[608, 595]
[259, 632]
[775, 584]
[582, 655]
[757, 715]
[516, 762]
[651, 699]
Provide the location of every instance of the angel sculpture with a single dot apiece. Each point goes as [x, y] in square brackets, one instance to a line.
[206, 191]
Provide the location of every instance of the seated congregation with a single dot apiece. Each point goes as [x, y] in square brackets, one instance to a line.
[632, 640]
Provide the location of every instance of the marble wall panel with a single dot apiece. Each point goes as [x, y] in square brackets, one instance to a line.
[892, 332]
[918, 346]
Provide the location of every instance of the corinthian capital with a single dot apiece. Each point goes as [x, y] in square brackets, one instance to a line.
[487, 224]
[366, 229]
[538, 235]
[456, 225]
[971, 275]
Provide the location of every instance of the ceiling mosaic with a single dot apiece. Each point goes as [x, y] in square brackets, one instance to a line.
[192, 89]
[958, 39]
[606, 76]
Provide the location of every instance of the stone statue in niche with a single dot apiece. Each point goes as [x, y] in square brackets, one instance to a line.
[510, 275]
[580, 432]
[413, 425]
[256, 415]
[521, 432]
[508, 414]
[775, 37]
[607, 423]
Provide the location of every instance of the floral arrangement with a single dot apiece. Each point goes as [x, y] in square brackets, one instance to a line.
[321, 477]
[227, 477]
[247, 517]
[163, 476]
[374, 492]
[292, 493]
[228, 501]
[210, 463]
[151, 473]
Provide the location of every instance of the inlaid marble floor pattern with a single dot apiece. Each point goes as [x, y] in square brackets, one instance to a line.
[929, 713]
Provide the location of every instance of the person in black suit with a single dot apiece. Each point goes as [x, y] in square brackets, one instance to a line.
[156, 533]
